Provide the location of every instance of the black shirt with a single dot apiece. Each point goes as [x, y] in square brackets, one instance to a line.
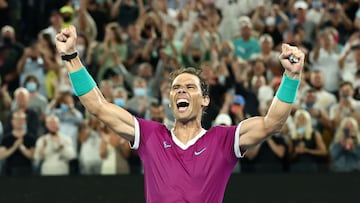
[17, 163]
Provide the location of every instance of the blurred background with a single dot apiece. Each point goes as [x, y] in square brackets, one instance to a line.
[131, 46]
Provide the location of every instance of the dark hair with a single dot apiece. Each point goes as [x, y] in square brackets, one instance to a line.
[32, 77]
[197, 72]
[345, 83]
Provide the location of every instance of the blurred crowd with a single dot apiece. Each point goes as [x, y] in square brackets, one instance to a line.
[131, 46]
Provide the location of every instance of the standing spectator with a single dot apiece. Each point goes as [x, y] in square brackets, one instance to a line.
[21, 102]
[345, 149]
[5, 103]
[70, 117]
[114, 151]
[17, 147]
[100, 17]
[10, 53]
[325, 58]
[31, 63]
[54, 149]
[56, 22]
[246, 44]
[89, 138]
[308, 145]
[347, 105]
[135, 47]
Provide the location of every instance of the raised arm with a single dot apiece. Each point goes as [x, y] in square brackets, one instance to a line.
[257, 129]
[89, 94]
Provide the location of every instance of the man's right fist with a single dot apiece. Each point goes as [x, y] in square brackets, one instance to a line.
[66, 40]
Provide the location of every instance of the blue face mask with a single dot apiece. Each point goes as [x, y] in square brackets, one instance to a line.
[301, 130]
[31, 86]
[140, 92]
[316, 4]
[222, 79]
[64, 107]
[119, 101]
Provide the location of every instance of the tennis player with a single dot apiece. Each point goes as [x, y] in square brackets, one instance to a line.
[188, 163]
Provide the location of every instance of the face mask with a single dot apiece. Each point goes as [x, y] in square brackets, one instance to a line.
[124, 36]
[345, 95]
[31, 86]
[309, 105]
[222, 79]
[270, 21]
[196, 59]
[7, 41]
[301, 130]
[166, 101]
[140, 92]
[119, 102]
[24, 127]
[80, 48]
[64, 107]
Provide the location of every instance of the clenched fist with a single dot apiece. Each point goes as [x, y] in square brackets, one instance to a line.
[66, 40]
[292, 69]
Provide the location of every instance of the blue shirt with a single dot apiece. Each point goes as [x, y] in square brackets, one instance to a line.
[245, 49]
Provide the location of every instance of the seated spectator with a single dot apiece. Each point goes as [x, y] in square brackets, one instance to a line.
[308, 145]
[54, 149]
[345, 149]
[17, 147]
[114, 151]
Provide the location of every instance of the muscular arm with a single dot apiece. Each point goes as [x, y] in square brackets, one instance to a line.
[112, 115]
[255, 130]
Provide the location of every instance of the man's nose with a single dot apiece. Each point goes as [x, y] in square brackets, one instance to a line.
[181, 90]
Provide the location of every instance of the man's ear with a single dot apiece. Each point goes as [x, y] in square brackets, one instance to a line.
[206, 101]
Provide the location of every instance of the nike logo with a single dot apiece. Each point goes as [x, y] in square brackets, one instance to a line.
[199, 152]
[166, 145]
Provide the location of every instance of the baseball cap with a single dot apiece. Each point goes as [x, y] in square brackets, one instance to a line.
[223, 119]
[239, 100]
[66, 9]
[300, 5]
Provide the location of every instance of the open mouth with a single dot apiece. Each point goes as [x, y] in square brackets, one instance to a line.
[182, 105]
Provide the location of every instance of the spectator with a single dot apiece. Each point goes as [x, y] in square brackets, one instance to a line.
[5, 103]
[17, 147]
[347, 105]
[345, 149]
[89, 138]
[99, 15]
[56, 22]
[308, 145]
[114, 151]
[32, 63]
[10, 53]
[69, 117]
[54, 149]
[246, 44]
[126, 12]
[21, 102]
[135, 47]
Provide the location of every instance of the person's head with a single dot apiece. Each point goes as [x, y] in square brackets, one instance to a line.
[266, 43]
[67, 14]
[356, 52]
[300, 7]
[106, 88]
[46, 42]
[258, 67]
[82, 43]
[18, 120]
[310, 98]
[112, 32]
[8, 35]
[66, 100]
[196, 55]
[170, 29]
[133, 30]
[222, 119]
[157, 112]
[145, 71]
[120, 96]
[245, 27]
[348, 128]
[346, 90]
[139, 87]
[52, 123]
[189, 94]
[56, 19]
[21, 96]
[31, 83]
[303, 126]
[317, 79]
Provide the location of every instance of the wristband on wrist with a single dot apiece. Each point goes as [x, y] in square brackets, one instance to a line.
[81, 81]
[68, 57]
[287, 89]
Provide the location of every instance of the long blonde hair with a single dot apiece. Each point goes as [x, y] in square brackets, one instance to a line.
[339, 132]
[308, 125]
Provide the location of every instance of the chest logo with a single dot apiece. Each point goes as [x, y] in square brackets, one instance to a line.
[166, 145]
[197, 153]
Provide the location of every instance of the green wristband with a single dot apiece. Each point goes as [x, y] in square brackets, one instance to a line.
[81, 81]
[287, 89]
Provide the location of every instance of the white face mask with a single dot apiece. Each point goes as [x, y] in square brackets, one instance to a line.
[80, 48]
[270, 21]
